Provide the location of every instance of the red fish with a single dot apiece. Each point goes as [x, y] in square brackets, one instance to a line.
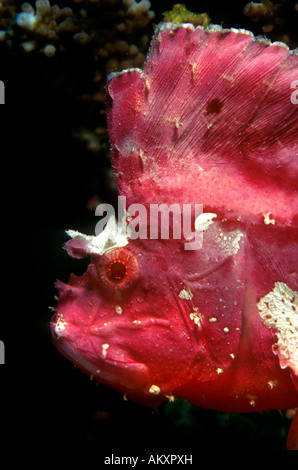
[212, 120]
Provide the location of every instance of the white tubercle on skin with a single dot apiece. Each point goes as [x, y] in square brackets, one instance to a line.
[186, 294]
[60, 328]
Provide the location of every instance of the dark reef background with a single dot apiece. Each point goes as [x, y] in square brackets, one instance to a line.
[55, 169]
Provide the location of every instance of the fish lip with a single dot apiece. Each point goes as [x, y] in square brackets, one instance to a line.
[124, 375]
[103, 369]
[97, 364]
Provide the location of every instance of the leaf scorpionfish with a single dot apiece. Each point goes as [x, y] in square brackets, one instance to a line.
[209, 120]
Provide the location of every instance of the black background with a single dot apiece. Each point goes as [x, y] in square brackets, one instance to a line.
[47, 179]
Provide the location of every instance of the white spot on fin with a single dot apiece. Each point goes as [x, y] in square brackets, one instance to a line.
[279, 310]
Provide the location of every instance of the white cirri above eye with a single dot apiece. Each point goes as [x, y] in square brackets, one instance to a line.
[110, 238]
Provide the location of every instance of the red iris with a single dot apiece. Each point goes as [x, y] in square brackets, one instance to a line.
[118, 270]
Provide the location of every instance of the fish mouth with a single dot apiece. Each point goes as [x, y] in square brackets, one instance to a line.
[112, 366]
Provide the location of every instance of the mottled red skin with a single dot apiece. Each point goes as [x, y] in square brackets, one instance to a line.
[209, 121]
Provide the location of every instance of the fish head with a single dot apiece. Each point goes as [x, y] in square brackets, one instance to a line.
[149, 317]
[120, 321]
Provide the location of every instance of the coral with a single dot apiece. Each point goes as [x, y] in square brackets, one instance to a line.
[137, 13]
[278, 20]
[180, 14]
[46, 23]
[96, 22]
[83, 42]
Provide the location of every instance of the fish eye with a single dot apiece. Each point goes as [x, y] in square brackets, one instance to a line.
[118, 270]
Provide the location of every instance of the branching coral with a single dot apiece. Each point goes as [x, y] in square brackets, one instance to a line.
[46, 23]
[278, 20]
[94, 21]
[94, 37]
